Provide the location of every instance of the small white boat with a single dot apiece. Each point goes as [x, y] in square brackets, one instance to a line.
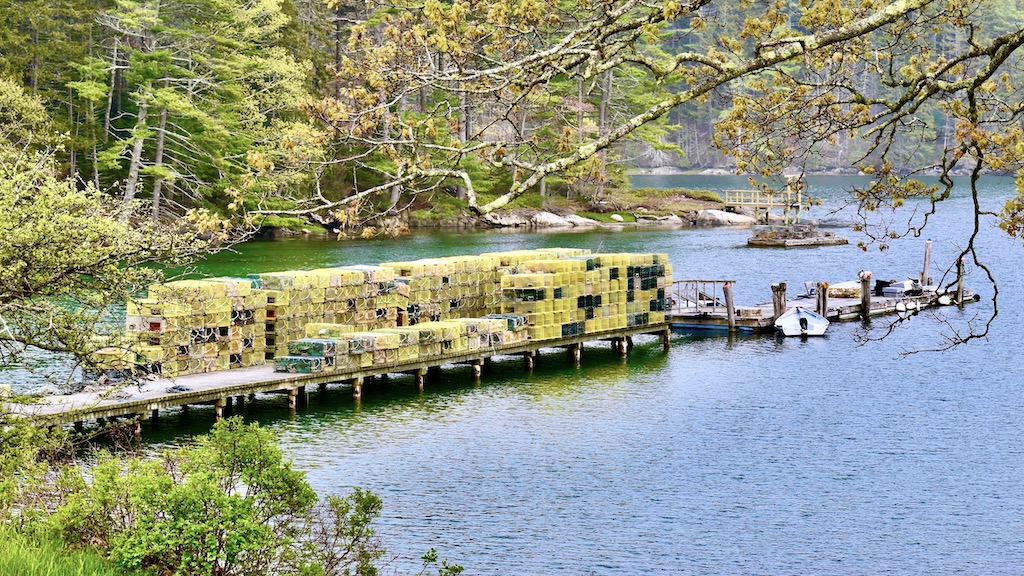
[801, 322]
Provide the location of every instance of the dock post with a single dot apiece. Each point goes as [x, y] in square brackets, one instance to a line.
[218, 408]
[925, 280]
[577, 354]
[821, 291]
[79, 426]
[730, 308]
[629, 342]
[420, 376]
[321, 387]
[357, 388]
[619, 345]
[960, 281]
[293, 394]
[779, 304]
[477, 368]
[666, 339]
[865, 294]
[529, 360]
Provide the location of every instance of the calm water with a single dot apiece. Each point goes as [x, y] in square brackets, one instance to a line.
[750, 455]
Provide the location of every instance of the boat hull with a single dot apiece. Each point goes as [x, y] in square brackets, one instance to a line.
[801, 322]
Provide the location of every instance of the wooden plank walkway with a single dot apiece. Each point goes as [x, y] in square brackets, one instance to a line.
[217, 388]
[758, 318]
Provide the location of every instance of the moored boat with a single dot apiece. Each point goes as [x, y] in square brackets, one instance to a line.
[800, 321]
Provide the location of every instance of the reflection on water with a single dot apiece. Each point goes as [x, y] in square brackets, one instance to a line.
[726, 455]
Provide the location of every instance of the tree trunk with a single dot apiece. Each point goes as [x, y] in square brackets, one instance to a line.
[136, 161]
[606, 99]
[158, 161]
[463, 133]
[110, 95]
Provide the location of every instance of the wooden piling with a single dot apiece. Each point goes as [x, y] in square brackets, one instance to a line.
[666, 339]
[925, 280]
[529, 361]
[730, 307]
[154, 415]
[865, 294]
[477, 368]
[821, 291]
[357, 388]
[420, 376]
[577, 354]
[218, 408]
[779, 303]
[293, 394]
[960, 281]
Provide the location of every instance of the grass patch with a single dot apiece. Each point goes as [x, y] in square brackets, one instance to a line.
[291, 223]
[22, 555]
[601, 217]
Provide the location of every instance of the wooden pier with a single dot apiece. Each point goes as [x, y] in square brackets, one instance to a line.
[147, 397]
[713, 312]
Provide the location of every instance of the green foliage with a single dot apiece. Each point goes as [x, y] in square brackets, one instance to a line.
[24, 555]
[229, 504]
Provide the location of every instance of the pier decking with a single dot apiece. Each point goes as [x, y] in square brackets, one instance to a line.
[712, 312]
[218, 388]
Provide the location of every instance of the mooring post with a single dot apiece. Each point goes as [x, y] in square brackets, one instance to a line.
[357, 388]
[420, 376]
[865, 294]
[821, 291]
[778, 300]
[154, 415]
[218, 408]
[666, 339]
[960, 281]
[925, 280]
[730, 308]
[477, 367]
[293, 394]
[529, 360]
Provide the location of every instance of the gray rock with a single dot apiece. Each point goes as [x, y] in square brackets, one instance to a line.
[580, 221]
[722, 218]
[505, 220]
[549, 220]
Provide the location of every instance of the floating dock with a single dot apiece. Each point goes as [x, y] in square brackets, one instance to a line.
[704, 304]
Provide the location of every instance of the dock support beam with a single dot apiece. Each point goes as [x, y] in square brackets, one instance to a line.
[477, 368]
[529, 360]
[821, 292]
[577, 354]
[218, 408]
[79, 426]
[730, 308]
[666, 339]
[420, 376]
[619, 345]
[293, 394]
[960, 281]
[925, 280]
[357, 388]
[865, 294]
[779, 303]
[154, 415]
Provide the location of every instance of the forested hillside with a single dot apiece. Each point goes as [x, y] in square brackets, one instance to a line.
[336, 111]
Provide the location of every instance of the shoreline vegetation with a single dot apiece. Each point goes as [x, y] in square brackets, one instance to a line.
[620, 209]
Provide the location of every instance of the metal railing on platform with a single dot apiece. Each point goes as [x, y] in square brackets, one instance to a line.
[699, 296]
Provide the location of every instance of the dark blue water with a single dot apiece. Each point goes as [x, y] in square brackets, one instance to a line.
[750, 455]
